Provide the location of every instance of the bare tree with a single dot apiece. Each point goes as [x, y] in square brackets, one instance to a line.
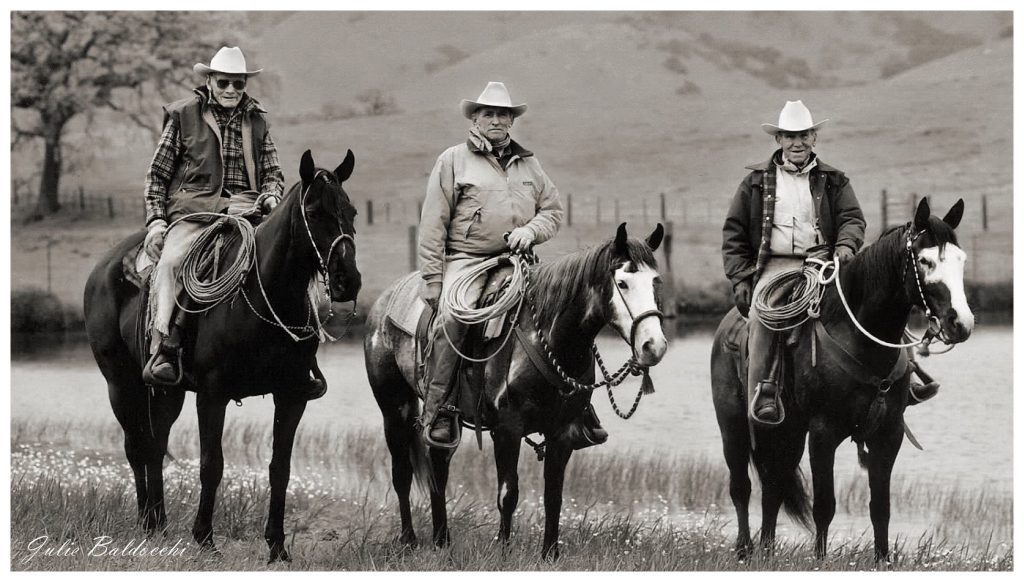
[64, 64]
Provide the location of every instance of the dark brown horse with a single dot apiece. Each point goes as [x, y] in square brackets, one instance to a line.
[838, 382]
[235, 350]
[572, 298]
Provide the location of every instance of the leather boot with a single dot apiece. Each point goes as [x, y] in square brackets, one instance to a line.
[590, 431]
[164, 367]
[920, 392]
[439, 411]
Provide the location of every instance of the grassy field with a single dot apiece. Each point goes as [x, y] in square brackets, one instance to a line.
[639, 512]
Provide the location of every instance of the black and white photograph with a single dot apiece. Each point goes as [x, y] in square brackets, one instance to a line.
[511, 290]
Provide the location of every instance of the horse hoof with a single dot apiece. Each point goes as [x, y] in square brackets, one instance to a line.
[281, 555]
[743, 551]
[552, 554]
[408, 541]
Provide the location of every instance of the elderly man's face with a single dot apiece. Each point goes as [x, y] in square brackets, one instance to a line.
[493, 122]
[797, 145]
[227, 89]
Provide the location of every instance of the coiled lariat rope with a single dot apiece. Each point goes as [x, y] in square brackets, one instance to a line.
[208, 294]
[806, 292]
[455, 304]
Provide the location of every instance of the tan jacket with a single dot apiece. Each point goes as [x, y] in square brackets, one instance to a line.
[472, 202]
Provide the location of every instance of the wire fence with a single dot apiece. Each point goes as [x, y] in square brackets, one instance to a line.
[986, 231]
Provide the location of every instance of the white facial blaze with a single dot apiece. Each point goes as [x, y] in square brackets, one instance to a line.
[947, 269]
[634, 295]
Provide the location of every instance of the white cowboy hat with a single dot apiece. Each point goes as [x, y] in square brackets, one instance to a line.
[794, 117]
[228, 60]
[494, 95]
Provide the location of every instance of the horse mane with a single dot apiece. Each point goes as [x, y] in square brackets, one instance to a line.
[564, 281]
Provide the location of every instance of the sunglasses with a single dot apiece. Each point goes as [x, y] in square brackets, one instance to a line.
[238, 84]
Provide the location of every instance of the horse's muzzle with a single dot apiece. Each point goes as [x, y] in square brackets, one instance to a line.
[346, 290]
[955, 328]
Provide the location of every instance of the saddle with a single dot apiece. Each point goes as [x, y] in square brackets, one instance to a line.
[413, 317]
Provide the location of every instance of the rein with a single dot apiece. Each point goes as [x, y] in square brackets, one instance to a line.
[934, 329]
[232, 281]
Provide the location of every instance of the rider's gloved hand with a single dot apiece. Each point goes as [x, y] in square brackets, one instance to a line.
[155, 238]
[520, 239]
[741, 293]
[269, 203]
[431, 294]
[843, 254]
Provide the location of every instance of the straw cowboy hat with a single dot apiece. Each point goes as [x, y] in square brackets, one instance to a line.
[794, 117]
[494, 95]
[228, 60]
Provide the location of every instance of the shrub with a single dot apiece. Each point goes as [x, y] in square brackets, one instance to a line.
[33, 309]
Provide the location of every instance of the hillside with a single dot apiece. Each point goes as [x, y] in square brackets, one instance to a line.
[622, 106]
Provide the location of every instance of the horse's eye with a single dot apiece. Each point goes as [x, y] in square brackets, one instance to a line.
[622, 285]
[926, 263]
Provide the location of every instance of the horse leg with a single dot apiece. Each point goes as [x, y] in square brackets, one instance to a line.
[506, 461]
[287, 414]
[883, 449]
[400, 434]
[211, 465]
[146, 420]
[822, 445]
[736, 446]
[555, 461]
[440, 460]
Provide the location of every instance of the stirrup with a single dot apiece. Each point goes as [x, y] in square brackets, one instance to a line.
[172, 354]
[778, 405]
[456, 428]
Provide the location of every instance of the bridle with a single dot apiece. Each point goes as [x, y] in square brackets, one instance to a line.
[934, 325]
[322, 269]
[656, 312]
[323, 264]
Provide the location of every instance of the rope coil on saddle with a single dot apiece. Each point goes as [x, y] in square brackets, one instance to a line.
[224, 283]
[807, 286]
[455, 303]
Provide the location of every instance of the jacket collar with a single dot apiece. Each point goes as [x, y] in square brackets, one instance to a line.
[517, 150]
[770, 162]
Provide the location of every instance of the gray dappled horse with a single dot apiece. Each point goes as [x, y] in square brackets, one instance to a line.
[232, 351]
[573, 298]
[838, 383]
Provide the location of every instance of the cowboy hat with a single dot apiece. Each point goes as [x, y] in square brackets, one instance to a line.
[794, 117]
[228, 60]
[494, 95]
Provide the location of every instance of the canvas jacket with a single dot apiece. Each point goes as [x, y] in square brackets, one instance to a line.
[746, 235]
[472, 202]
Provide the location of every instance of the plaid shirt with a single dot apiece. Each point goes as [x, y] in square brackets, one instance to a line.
[169, 150]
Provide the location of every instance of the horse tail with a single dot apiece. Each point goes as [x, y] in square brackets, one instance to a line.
[862, 455]
[795, 500]
[419, 457]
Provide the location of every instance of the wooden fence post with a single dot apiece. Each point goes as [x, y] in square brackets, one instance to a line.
[369, 212]
[412, 247]
[984, 212]
[663, 210]
[885, 210]
[598, 211]
[110, 206]
[568, 209]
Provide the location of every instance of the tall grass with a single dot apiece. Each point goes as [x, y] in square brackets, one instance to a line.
[629, 512]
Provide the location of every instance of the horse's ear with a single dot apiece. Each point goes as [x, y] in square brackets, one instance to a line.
[620, 238]
[952, 218]
[344, 169]
[922, 214]
[307, 169]
[654, 241]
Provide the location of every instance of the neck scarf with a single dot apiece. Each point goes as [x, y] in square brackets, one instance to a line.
[791, 168]
[483, 144]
